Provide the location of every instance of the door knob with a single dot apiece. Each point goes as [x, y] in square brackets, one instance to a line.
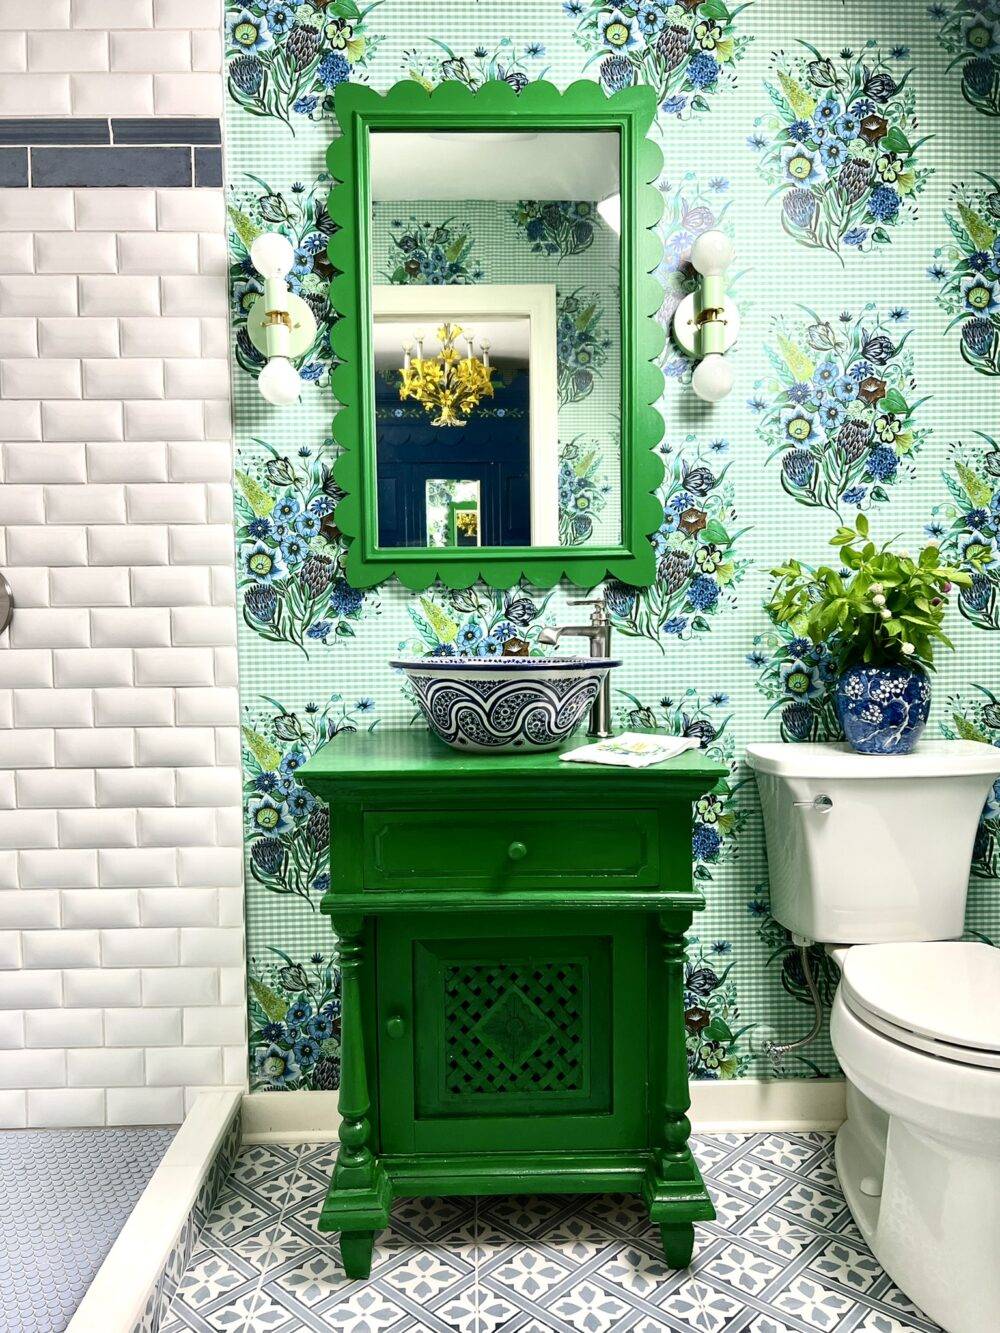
[517, 851]
[395, 1026]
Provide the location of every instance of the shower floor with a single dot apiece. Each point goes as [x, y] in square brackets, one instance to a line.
[64, 1197]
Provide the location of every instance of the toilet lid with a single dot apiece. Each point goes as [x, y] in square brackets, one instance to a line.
[946, 993]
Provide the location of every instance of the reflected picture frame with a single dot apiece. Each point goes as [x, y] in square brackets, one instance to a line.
[494, 107]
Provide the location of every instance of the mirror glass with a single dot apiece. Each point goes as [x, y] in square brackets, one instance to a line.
[495, 263]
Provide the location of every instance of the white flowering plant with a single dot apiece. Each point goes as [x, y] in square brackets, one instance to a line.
[881, 608]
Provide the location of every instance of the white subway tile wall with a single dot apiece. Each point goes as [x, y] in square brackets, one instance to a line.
[121, 922]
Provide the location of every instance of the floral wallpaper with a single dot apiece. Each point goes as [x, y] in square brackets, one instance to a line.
[851, 150]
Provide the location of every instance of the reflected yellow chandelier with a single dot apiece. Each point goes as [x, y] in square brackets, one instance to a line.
[449, 384]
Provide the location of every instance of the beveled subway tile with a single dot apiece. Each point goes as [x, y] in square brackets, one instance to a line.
[166, 130]
[208, 167]
[54, 130]
[13, 168]
[111, 167]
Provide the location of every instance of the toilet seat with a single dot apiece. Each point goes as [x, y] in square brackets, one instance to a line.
[942, 998]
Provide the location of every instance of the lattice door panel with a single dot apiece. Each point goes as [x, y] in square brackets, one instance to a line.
[512, 1029]
[516, 1027]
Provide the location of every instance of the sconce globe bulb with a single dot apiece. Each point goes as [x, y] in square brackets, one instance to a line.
[712, 253]
[712, 378]
[272, 255]
[279, 382]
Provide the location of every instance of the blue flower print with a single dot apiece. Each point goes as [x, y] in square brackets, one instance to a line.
[847, 126]
[275, 1067]
[248, 32]
[306, 1050]
[703, 71]
[706, 842]
[294, 548]
[618, 30]
[884, 203]
[307, 524]
[320, 1027]
[298, 1013]
[292, 762]
[285, 509]
[266, 815]
[703, 593]
[280, 18]
[333, 69]
[883, 463]
[261, 563]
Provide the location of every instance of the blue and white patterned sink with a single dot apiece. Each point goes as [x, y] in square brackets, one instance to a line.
[517, 704]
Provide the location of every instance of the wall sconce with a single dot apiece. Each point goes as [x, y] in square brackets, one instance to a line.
[707, 323]
[280, 324]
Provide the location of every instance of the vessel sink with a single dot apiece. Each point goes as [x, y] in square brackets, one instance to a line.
[492, 705]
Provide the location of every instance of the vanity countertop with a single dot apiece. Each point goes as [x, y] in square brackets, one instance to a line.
[360, 757]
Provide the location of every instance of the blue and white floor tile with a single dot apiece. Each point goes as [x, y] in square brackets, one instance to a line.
[784, 1256]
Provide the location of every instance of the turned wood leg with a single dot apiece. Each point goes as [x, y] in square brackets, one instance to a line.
[676, 1126]
[355, 1164]
[356, 1253]
[678, 1243]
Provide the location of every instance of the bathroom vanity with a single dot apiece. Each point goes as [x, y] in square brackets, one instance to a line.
[511, 936]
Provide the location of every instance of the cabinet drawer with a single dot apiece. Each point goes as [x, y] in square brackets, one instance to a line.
[532, 848]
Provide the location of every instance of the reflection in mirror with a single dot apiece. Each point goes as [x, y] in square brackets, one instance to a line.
[496, 309]
[452, 513]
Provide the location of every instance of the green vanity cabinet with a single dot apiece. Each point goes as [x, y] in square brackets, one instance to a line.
[511, 934]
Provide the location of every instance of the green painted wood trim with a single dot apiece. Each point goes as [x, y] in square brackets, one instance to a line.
[565, 1172]
[354, 761]
[385, 902]
[540, 106]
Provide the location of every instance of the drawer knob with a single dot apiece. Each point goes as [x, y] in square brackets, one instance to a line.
[395, 1026]
[517, 851]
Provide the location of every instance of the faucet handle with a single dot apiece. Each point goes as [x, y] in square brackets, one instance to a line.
[600, 612]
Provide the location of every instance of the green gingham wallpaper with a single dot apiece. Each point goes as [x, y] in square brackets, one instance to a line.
[852, 151]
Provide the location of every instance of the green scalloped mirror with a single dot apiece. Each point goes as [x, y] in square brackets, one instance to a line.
[497, 342]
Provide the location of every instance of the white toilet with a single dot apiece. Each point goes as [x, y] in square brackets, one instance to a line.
[871, 856]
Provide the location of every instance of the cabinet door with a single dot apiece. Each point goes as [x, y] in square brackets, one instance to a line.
[526, 1033]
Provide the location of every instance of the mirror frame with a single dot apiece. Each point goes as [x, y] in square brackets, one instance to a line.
[540, 106]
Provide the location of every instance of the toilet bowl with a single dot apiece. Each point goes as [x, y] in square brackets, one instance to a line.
[871, 855]
[916, 1029]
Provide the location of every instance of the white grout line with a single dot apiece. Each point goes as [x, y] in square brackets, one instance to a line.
[117, 1297]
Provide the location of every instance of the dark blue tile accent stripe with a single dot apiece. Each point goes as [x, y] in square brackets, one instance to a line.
[13, 167]
[208, 167]
[165, 129]
[110, 166]
[47, 129]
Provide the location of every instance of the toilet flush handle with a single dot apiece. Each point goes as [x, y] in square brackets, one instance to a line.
[821, 804]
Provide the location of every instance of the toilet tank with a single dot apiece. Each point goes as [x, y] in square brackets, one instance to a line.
[865, 849]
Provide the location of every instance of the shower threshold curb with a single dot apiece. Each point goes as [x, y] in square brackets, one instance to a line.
[134, 1287]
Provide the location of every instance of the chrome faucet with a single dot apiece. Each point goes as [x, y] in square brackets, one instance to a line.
[598, 634]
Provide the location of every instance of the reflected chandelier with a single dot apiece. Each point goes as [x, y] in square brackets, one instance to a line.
[449, 384]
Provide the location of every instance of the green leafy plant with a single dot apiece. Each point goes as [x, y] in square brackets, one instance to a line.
[882, 608]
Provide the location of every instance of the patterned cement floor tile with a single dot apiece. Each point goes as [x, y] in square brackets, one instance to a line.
[783, 1256]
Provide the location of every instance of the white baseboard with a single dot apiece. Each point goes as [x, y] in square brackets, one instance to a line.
[290, 1117]
[747, 1105]
[754, 1105]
